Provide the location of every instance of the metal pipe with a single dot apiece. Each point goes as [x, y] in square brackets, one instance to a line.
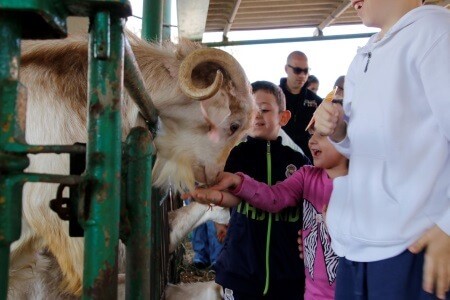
[104, 156]
[334, 15]
[138, 160]
[290, 40]
[156, 210]
[167, 20]
[136, 89]
[10, 189]
[152, 15]
[4, 263]
[52, 178]
[230, 21]
[38, 149]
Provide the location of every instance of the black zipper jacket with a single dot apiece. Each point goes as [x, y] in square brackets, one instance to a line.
[241, 264]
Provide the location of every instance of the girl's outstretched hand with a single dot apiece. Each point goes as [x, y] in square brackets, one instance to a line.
[226, 181]
[205, 196]
[217, 193]
[210, 196]
[436, 269]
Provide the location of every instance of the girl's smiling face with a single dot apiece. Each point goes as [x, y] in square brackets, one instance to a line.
[324, 154]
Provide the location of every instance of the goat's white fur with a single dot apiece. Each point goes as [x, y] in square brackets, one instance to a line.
[185, 219]
[55, 74]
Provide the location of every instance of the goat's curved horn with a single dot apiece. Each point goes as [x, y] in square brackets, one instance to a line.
[223, 59]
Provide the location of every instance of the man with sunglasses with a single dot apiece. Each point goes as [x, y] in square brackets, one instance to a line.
[300, 101]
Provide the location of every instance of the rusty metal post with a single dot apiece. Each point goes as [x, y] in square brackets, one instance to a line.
[138, 161]
[10, 164]
[155, 245]
[106, 63]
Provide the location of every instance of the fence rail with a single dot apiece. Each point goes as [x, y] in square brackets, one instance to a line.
[109, 199]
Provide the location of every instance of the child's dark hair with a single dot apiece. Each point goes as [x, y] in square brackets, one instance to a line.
[272, 89]
[312, 79]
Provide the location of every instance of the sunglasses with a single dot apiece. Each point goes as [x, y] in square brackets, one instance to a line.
[298, 71]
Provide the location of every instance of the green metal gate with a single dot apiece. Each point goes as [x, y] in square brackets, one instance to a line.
[105, 189]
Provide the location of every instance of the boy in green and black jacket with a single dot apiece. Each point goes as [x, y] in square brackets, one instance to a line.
[253, 234]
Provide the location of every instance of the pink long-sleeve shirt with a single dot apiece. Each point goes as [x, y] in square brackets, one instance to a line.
[311, 187]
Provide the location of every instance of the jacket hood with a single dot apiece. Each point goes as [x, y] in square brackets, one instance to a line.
[408, 19]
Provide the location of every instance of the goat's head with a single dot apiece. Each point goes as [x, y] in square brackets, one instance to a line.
[213, 110]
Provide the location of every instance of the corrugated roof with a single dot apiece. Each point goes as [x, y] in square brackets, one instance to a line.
[231, 15]
[271, 14]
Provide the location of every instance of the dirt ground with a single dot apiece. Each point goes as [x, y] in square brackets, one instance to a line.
[189, 273]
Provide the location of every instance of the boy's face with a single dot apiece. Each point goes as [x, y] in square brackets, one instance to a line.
[269, 119]
[324, 154]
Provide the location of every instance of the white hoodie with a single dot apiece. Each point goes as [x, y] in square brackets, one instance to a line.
[398, 140]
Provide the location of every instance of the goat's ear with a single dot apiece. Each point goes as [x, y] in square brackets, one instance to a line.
[216, 109]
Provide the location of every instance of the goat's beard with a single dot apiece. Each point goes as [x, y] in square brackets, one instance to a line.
[181, 175]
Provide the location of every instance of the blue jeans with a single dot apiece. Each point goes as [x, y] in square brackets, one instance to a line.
[396, 278]
[205, 243]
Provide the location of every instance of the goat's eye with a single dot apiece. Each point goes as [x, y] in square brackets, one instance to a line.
[234, 127]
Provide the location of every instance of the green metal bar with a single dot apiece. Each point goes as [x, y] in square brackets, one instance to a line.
[152, 15]
[152, 31]
[51, 178]
[155, 245]
[137, 90]
[167, 19]
[10, 188]
[4, 263]
[139, 164]
[10, 223]
[21, 148]
[40, 19]
[290, 40]
[105, 86]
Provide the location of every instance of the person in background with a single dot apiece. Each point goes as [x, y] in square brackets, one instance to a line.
[312, 83]
[300, 101]
[390, 220]
[254, 235]
[207, 244]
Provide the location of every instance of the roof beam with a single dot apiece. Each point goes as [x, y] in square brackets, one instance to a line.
[230, 20]
[192, 18]
[289, 40]
[333, 16]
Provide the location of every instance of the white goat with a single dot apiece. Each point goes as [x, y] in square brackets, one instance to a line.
[193, 144]
[185, 219]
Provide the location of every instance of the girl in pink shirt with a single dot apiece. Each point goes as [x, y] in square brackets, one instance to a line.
[309, 186]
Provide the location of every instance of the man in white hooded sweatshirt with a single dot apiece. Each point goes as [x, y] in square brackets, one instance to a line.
[389, 219]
